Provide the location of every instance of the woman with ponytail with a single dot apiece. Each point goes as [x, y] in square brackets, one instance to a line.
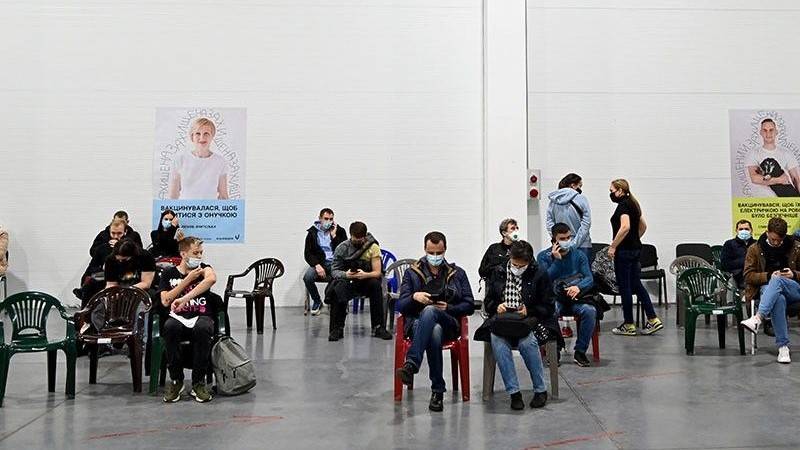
[628, 226]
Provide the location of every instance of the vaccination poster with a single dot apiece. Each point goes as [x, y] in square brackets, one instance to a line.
[199, 171]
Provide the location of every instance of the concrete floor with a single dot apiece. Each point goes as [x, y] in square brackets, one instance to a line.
[645, 394]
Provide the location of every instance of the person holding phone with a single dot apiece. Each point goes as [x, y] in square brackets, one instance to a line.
[165, 238]
[434, 295]
[771, 270]
[522, 288]
[322, 238]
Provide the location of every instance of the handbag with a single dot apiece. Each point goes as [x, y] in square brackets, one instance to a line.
[513, 325]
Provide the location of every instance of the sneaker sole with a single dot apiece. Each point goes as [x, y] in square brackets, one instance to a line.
[177, 399]
[648, 332]
[623, 333]
[582, 364]
[198, 400]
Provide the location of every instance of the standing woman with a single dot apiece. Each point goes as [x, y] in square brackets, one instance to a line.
[628, 226]
[165, 238]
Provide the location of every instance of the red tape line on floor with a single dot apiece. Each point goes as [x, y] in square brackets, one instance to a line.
[243, 420]
[592, 437]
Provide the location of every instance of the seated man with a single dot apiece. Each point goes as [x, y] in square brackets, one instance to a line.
[186, 291]
[322, 238]
[357, 270]
[572, 282]
[771, 268]
[497, 254]
[101, 249]
[734, 251]
[434, 295]
[519, 287]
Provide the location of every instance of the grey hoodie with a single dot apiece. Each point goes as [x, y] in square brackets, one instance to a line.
[561, 210]
[343, 252]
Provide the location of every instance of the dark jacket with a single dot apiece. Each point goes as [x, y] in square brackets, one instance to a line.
[537, 295]
[164, 243]
[460, 301]
[313, 253]
[100, 249]
[496, 255]
[732, 257]
[756, 270]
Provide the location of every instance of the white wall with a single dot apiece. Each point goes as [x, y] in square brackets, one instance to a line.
[371, 107]
[641, 90]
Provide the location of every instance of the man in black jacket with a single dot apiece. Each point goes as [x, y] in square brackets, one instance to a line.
[322, 238]
[734, 251]
[498, 253]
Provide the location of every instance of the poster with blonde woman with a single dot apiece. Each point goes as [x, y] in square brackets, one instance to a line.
[198, 170]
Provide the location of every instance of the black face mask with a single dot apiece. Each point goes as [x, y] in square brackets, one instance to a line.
[614, 198]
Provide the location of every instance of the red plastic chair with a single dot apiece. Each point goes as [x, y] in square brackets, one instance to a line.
[595, 335]
[459, 358]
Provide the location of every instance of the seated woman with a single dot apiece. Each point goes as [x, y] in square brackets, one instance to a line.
[518, 286]
[165, 238]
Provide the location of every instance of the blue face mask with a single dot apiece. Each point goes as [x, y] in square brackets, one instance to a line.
[744, 235]
[434, 260]
[166, 223]
[326, 224]
[193, 263]
[566, 245]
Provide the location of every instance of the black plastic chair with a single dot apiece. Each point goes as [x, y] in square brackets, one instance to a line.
[651, 271]
[267, 270]
[695, 249]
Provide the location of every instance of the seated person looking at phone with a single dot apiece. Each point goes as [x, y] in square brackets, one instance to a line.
[771, 269]
[434, 295]
[520, 293]
[572, 283]
[356, 270]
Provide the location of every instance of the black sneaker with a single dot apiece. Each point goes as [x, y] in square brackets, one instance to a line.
[335, 335]
[539, 399]
[406, 373]
[437, 403]
[581, 359]
[380, 332]
[516, 401]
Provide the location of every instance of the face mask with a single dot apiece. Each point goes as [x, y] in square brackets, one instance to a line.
[166, 223]
[614, 198]
[513, 236]
[566, 245]
[518, 271]
[434, 260]
[193, 263]
[744, 235]
[327, 224]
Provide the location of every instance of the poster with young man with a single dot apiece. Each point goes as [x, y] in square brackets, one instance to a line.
[765, 165]
[199, 171]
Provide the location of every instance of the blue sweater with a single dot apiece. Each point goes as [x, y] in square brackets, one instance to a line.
[571, 264]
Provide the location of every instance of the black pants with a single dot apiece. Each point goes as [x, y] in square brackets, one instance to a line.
[344, 290]
[200, 336]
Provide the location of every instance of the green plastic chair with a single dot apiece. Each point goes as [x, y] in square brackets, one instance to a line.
[28, 312]
[707, 291]
[157, 360]
[716, 253]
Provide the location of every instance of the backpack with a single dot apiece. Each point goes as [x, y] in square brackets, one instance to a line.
[603, 272]
[233, 370]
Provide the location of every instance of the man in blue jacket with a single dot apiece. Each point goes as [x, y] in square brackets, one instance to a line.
[572, 280]
[434, 295]
[568, 205]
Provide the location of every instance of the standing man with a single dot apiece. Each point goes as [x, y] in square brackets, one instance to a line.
[498, 253]
[568, 205]
[322, 238]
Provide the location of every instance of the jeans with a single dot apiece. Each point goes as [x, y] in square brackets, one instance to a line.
[778, 293]
[428, 333]
[529, 349]
[201, 338]
[587, 316]
[310, 278]
[344, 290]
[629, 280]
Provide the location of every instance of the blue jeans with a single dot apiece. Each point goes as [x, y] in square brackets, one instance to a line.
[310, 277]
[529, 349]
[428, 333]
[587, 316]
[778, 293]
[629, 280]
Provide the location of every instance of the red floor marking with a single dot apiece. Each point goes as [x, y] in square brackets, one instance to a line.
[628, 377]
[244, 420]
[593, 437]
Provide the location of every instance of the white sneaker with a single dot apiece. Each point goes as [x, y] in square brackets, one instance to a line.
[752, 324]
[783, 355]
[316, 311]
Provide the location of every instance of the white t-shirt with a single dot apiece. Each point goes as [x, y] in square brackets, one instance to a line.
[199, 176]
[780, 156]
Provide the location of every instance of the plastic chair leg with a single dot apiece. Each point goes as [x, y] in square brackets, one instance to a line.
[259, 304]
[248, 306]
[272, 312]
[92, 363]
[489, 369]
[463, 362]
[689, 332]
[722, 324]
[551, 349]
[51, 370]
[155, 366]
[136, 363]
[596, 342]
[454, 367]
[399, 360]
[740, 330]
[5, 360]
[72, 354]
